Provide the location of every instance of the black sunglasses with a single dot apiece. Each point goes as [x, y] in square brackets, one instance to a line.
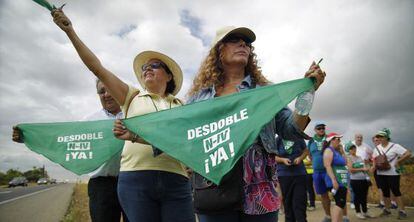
[154, 65]
[236, 39]
[320, 128]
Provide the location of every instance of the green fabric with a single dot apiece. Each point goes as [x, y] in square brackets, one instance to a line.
[207, 136]
[341, 175]
[319, 141]
[80, 147]
[288, 146]
[213, 154]
[45, 4]
[348, 146]
[358, 165]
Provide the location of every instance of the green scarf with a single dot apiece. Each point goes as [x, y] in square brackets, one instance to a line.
[207, 136]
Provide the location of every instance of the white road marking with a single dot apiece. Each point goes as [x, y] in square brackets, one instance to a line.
[27, 195]
[5, 192]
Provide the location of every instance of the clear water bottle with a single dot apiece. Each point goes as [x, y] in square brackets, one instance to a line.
[304, 102]
[333, 191]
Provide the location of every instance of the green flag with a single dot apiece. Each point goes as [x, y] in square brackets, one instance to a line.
[80, 147]
[207, 136]
[45, 4]
[210, 136]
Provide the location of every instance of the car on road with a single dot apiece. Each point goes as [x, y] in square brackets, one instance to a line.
[53, 181]
[18, 181]
[42, 181]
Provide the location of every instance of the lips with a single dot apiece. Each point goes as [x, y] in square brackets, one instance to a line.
[241, 53]
[148, 74]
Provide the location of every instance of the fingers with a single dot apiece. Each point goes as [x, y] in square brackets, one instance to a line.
[16, 135]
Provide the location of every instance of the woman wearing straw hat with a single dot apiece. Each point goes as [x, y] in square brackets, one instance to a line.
[389, 178]
[230, 67]
[150, 188]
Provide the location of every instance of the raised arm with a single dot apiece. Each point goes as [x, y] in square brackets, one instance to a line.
[116, 87]
[314, 72]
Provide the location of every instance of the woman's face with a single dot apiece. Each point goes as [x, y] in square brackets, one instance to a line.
[382, 139]
[335, 142]
[153, 72]
[352, 151]
[235, 51]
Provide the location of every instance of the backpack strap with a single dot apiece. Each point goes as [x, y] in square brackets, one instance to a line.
[129, 102]
[389, 148]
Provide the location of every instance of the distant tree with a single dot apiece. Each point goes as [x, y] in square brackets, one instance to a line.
[3, 179]
[12, 173]
[35, 174]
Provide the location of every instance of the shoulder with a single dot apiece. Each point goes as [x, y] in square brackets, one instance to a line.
[398, 147]
[98, 115]
[203, 94]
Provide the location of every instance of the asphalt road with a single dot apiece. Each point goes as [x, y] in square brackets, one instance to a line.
[47, 203]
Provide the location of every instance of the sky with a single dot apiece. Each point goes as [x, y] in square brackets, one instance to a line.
[367, 49]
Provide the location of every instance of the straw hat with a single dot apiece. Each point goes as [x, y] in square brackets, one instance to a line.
[145, 56]
[229, 30]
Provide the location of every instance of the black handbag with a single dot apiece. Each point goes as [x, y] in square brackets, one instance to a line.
[210, 198]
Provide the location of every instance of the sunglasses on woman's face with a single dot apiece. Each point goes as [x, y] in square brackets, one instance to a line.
[154, 65]
[320, 128]
[236, 39]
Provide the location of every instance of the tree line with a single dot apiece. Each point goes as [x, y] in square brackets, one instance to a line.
[31, 175]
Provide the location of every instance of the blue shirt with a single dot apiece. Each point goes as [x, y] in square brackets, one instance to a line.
[291, 150]
[316, 152]
[283, 123]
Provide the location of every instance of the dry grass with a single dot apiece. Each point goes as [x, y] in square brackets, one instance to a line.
[406, 186]
[79, 205]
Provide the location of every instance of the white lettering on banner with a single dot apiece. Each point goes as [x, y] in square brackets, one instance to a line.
[79, 145]
[80, 137]
[218, 146]
[213, 141]
[219, 156]
[214, 126]
[79, 155]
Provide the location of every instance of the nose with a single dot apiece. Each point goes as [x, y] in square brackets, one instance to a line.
[148, 67]
[106, 94]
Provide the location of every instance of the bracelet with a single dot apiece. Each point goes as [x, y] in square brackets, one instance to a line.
[134, 138]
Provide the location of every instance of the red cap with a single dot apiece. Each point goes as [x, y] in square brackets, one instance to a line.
[330, 136]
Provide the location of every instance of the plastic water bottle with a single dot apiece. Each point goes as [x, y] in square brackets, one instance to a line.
[333, 191]
[304, 102]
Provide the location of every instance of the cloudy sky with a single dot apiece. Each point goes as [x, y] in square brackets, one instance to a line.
[367, 46]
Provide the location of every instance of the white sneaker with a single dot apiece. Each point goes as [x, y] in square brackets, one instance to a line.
[367, 215]
[360, 216]
[352, 206]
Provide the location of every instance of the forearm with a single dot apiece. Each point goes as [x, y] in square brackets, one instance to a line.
[279, 159]
[405, 156]
[87, 56]
[301, 121]
[304, 154]
[116, 87]
[135, 138]
[330, 173]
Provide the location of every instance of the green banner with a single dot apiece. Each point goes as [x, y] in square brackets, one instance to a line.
[207, 136]
[80, 147]
[210, 136]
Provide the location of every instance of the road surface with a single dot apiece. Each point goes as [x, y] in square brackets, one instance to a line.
[46, 203]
